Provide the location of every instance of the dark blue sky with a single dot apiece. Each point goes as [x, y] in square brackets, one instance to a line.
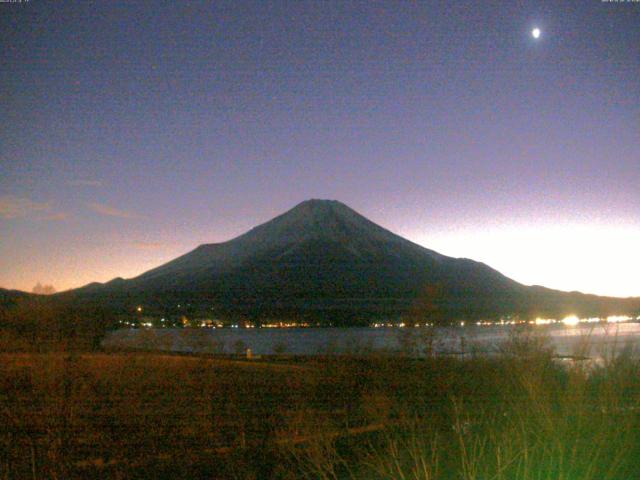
[133, 131]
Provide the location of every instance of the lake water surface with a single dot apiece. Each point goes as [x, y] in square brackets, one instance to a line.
[594, 340]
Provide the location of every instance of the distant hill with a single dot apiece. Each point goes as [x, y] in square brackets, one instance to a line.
[322, 259]
[9, 299]
[9, 296]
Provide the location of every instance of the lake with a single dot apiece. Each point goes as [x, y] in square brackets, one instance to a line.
[593, 340]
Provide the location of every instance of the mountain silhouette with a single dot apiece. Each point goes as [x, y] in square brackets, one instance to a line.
[323, 260]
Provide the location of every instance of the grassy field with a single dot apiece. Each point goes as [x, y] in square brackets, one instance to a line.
[518, 415]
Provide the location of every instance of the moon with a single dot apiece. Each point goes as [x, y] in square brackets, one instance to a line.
[535, 33]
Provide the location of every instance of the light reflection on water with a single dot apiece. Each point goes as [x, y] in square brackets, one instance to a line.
[595, 340]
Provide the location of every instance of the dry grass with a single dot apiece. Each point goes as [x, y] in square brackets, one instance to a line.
[514, 416]
[58, 409]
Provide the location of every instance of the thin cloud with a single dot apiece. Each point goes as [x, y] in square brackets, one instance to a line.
[12, 207]
[109, 211]
[148, 245]
[84, 183]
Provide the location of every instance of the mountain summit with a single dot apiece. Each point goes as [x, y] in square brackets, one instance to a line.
[327, 219]
[322, 259]
[321, 223]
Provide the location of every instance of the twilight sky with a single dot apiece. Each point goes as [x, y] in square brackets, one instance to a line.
[131, 132]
